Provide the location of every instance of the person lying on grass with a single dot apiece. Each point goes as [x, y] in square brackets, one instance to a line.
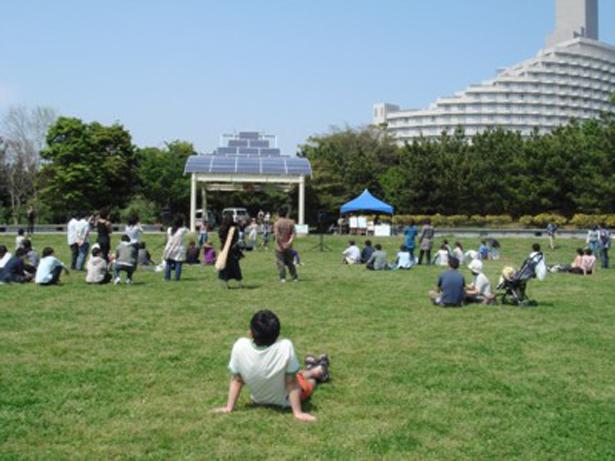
[269, 367]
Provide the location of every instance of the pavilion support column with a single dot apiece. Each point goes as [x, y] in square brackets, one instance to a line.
[302, 200]
[193, 203]
[204, 202]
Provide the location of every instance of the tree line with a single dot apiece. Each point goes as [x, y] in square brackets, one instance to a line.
[61, 165]
[570, 170]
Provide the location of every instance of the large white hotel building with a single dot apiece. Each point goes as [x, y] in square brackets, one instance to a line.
[573, 77]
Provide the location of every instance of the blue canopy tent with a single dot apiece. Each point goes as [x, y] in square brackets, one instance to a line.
[366, 203]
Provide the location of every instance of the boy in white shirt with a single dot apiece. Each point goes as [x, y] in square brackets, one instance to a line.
[49, 269]
[271, 370]
[352, 254]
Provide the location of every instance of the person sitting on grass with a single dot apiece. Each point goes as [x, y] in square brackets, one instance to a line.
[403, 259]
[479, 291]
[192, 253]
[483, 250]
[442, 256]
[21, 236]
[378, 260]
[270, 369]
[97, 268]
[31, 259]
[125, 260]
[144, 258]
[14, 270]
[352, 254]
[574, 268]
[49, 269]
[451, 287]
[367, 251]
[5, 255]
[458, 252]
[588, 262]
[209, 254]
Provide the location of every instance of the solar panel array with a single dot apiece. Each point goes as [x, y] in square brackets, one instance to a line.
[248, 143]
[268, 166]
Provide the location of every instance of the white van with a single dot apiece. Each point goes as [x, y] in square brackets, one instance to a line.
[240, 215]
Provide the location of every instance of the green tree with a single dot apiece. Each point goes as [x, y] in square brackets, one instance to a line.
[87, 167]
[161, 176]
[344, 162]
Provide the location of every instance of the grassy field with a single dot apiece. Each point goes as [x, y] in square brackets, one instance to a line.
[133, 371]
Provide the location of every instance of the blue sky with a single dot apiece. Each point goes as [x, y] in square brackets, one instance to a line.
[193, 69]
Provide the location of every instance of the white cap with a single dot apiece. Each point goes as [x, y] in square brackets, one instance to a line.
[476, 266]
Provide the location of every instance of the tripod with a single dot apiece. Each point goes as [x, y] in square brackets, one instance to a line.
[321, 245]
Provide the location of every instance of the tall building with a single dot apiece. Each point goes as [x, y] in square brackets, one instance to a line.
[573, 77]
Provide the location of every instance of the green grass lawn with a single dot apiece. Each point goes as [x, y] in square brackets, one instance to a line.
[99, 372]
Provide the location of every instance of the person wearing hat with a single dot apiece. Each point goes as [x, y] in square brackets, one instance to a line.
[479, 291]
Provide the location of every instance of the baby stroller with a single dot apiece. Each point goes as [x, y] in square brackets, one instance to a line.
[513, 283]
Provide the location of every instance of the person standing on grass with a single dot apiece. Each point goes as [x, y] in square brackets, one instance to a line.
[174, 253]
[49, 269]
[270, 369]
[551, 231]
[451, 287]
[604, 245]
[230, 253]
[410, 232]
[71, 239]
[134, 230]
[426, 241]
[104, 229]
[83, 233]
[593, 239]
[31, 216]
[284, 231]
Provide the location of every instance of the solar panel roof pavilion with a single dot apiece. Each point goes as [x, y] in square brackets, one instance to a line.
[245, 160]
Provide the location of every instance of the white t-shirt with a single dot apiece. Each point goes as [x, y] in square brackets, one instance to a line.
[19, 242]
[71, 231]
[442, 258]
[458, 253]
[82, 229]
[352, 253]
[264, 369]
[403, 260]
[5, 259]
[44, 271]
[482, 285]
[134, 232]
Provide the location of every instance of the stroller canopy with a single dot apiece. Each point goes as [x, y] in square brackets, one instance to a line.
[367, 203]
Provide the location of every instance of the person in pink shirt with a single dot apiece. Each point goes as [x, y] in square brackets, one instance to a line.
[588, 263]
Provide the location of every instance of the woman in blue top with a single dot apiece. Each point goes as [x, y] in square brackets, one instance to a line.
[410, 237]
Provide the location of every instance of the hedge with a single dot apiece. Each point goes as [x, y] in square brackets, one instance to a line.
[580, 221]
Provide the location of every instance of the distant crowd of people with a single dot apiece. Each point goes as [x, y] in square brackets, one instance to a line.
[102, 266]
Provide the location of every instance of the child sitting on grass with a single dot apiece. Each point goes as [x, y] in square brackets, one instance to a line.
[271, 370]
